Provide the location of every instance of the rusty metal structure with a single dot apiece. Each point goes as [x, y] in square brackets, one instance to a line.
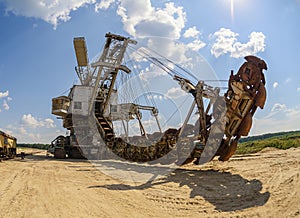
[221, 123]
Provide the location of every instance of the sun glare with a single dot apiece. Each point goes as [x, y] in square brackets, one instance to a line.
[232, 10]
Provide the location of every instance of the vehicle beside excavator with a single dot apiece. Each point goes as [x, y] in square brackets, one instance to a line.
[8, 145]
[92, 108]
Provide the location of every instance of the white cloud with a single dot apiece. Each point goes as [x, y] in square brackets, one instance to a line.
[51, 11]
[275, 85]
[288, 80]
[32, 122]
[174, 93]
[170, 49]
[155, 97]
[135, 14]
[7, 131]
[141, 19]
[35, 137]
[152, 72]
[278, 107]
[226, 42]
[49, 123]
[103, 5]
[255, 45]
[5, 105]
[298, 89]
[33, 130]
[196, 45]
[23, 130]
[28, 137]
[150, 126]
[6, 98]
[4, 94]
[191, 32]
[280, 118]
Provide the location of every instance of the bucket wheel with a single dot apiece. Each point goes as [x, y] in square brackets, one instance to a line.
[229, 150]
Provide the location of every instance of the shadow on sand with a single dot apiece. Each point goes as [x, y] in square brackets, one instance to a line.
[226, 191]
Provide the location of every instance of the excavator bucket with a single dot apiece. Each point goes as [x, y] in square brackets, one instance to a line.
[261, 96]
[245, 126]
[259, 62]
[229, 151]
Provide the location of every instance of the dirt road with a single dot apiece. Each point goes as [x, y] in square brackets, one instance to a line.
[266, 184]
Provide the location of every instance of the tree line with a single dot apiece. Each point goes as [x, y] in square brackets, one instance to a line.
[281, 140]
[36, 145]
[268, 135]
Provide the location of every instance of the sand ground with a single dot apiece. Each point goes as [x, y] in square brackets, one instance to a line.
[266, 184]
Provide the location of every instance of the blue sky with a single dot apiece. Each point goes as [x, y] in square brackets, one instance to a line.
[37, 58]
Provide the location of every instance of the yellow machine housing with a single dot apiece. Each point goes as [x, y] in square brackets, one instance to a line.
[8, 145]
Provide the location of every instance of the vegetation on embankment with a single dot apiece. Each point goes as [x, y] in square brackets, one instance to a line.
[280, 140]
[38, 146]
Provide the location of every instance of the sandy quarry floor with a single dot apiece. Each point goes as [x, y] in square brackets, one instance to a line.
[266, 184]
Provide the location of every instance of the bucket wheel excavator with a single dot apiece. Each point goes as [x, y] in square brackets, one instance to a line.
[221, 122]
